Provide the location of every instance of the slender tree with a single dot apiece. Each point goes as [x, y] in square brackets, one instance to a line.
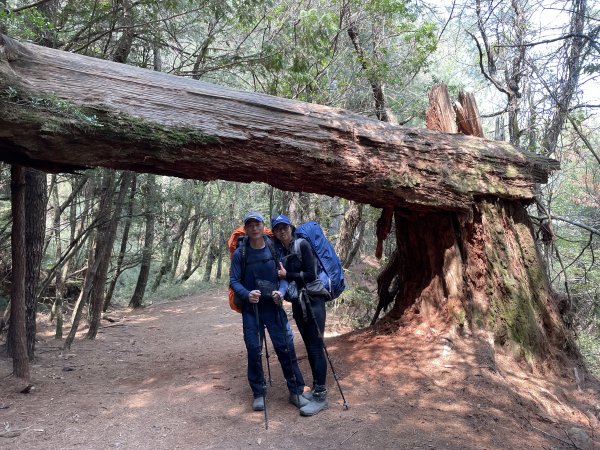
[150, 214]
[36, 199]
[17, 340]
[124, 243]
[57, 306]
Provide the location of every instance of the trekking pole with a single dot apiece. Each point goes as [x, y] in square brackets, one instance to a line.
[267, 355]
[287, 347]
[255, 307]
[303, 296]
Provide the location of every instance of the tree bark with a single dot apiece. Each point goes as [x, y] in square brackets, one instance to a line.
[211, 255]
[349, 224]
[564, 95]
[36, 199]
[467, 115]
[59, 291]
[107, 223]
[356, 246]
[16, 340]
[218, 128]
[479, 271]
[196, 224]
[220, 251]
[183, 227]
[440, 115]
[124, 244]
[142, 281]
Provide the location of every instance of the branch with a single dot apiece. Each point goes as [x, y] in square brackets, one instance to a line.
[33, 5]
[577, 224]
[569, 118]
[483, 71]
[591, 40]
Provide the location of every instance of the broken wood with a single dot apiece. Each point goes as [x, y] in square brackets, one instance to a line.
[61, 111]
[467, 115]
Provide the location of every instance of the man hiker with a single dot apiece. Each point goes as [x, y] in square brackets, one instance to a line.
[254, 279]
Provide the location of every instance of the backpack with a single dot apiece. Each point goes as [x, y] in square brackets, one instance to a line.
[329, 267]
[238, 238]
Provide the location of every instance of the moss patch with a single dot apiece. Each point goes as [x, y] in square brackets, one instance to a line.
[57, 116]
[514, 308]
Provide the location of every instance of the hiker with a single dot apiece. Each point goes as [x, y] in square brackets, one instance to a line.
[255, 281]
[302, 271]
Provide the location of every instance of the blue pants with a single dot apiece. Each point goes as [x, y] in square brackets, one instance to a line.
[276, 322]
[311, 336]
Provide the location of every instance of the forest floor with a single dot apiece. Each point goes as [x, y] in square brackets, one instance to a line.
[172, 376]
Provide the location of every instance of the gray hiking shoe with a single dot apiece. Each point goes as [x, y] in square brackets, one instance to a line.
[309, 395]
[298, 400]
[318, 403]
[258, 404]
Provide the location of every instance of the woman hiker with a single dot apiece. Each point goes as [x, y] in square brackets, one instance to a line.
[303, 270]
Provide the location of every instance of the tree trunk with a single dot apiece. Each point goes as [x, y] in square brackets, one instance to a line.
[83, 296]
[372, 162]
[196, 224]
[199, 258]
[211, 256]
[127, 29]
[564, 95]
[220, 252]
[350, 222]
[124, 243]
[467, 115]
[59, 291]
[36, 199]
[356, 246]
[108, 220]
[183, 227]
[440, 115]
[479, 270]
[16, 340]
[140, 287]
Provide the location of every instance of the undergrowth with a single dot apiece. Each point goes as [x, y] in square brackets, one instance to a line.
[589, 346]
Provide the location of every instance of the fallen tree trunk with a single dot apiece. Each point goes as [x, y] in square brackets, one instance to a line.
[61, 111]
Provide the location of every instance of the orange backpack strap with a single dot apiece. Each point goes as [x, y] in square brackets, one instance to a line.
[232, 243]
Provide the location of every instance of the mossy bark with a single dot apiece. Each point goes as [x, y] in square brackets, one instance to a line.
[479, 272]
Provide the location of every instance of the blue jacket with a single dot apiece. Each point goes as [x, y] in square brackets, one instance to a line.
[259, 266]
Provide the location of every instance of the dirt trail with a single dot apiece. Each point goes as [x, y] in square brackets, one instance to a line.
[172, 376]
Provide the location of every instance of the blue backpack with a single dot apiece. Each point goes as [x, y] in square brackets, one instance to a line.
[329, 268]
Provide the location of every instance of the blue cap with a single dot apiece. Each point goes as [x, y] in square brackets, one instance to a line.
[280, 219]
[253, 215]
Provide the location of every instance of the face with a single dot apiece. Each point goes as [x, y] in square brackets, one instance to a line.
[283, 232]
[254, 228]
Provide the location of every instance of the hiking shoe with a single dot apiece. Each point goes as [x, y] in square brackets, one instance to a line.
[298, 400]
[309, 395]
[318, 403]
[258, 404]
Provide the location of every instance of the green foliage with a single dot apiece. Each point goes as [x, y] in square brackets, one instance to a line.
[25, 25]
[355, 307]
[589, 345]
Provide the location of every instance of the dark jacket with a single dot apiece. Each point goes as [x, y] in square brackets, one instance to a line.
[302, 270]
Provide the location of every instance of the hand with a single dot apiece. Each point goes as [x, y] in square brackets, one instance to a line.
[277, 297]
[281, 272]
[254, 296]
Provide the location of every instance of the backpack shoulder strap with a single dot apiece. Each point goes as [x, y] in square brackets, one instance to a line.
[243, 246]
[296, 247]
[271, 246]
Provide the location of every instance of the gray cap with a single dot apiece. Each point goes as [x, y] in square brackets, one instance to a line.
[253, 215]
